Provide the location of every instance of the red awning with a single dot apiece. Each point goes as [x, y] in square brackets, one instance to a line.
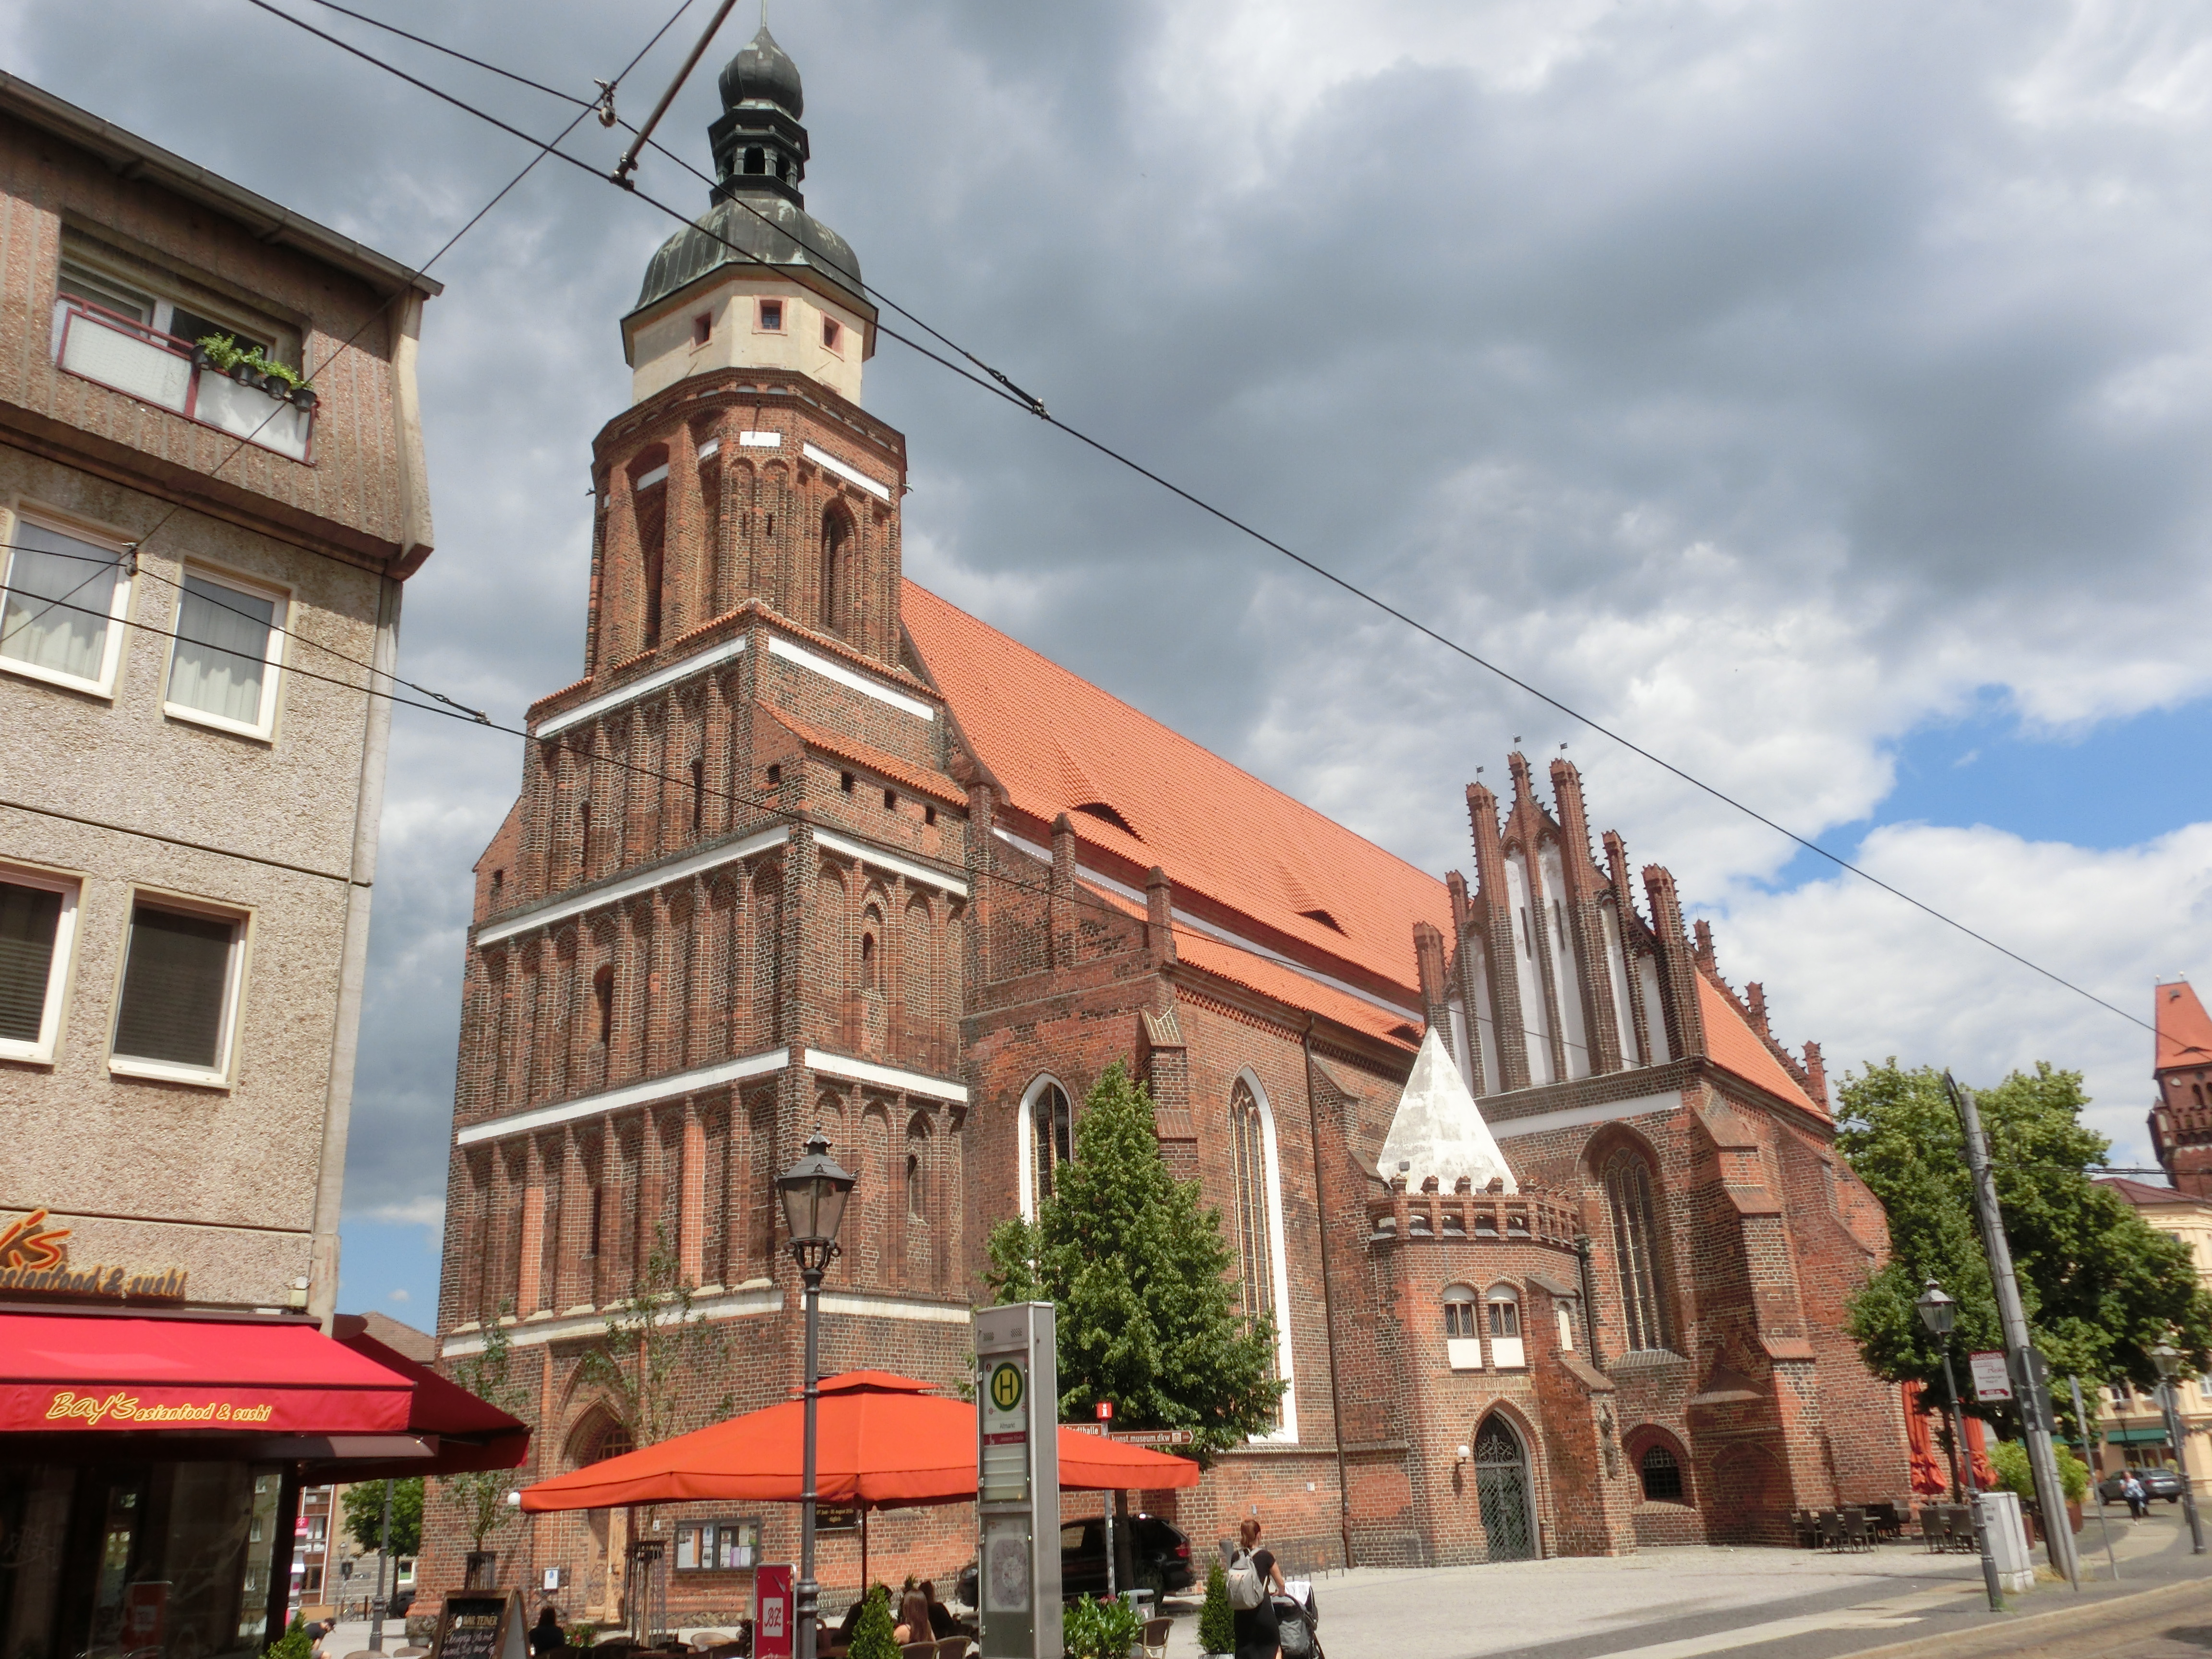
[459, 1432]
[63, 1374]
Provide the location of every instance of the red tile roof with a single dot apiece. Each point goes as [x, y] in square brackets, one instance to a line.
[2184, 1031]
[935, 785]
[2142, 1193]
[1730, 1042]
[1058, 743]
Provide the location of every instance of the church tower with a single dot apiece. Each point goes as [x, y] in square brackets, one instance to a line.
[729, 905]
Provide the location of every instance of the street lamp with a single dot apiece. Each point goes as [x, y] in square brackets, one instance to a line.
[2168, 1361]
[1939, 1312]
[813, 1191]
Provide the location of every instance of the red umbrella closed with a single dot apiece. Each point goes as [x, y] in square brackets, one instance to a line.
[882, 1441]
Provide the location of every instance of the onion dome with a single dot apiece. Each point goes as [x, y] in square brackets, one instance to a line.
[763, 74]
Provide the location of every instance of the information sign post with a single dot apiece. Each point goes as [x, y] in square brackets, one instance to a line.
[1018, 1484]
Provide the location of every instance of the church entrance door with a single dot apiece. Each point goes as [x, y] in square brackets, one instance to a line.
[1501, 1486]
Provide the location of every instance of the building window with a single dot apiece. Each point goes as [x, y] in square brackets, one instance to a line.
[831, 333]
[223, 666]
[603, 994]
[1248, 1143]
[1052, 1139]
[1503, 1307]
[868, 962]
[771, 311]
[1662, 1475]
[37, 923]
[916, 1205]
[61, 615]
[836, 532]
[702, 328]
[180, 1001]
[136, 297]
[1462, 1337]
[1635, 1246]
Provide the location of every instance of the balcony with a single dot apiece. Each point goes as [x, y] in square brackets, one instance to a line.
[160, 369]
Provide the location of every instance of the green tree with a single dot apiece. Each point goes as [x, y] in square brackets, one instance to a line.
[874, 1635]
[1138, 1275]
[655, 1344]
[480, 1494]
[1217, 1620]
[2100, 1287]
[364, 1515]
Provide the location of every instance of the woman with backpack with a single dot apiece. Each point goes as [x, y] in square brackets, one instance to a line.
[1254, 1582]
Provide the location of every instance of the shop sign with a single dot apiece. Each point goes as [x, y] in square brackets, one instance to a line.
[34, 1262]
[1992, 1379]
[772, 1612]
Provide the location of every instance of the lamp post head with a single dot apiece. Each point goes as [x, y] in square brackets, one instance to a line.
[1937, 1311]
[814, 1191]
[2167, 1360]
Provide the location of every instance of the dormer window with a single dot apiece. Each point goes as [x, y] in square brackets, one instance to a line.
[771, 316]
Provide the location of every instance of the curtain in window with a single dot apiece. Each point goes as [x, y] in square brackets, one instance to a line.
[1628, 1189]
[28, 917]
[174, 987]
[223, 651]
[59, 593]
[1248, 1147]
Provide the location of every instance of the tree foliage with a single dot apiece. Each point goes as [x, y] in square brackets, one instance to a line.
[1138, 1276]
[480, 1494]
[654, 1343]
[294, 1643]
[1093, 1628]
[874, 1635]
[364, 1515]
[1217, 1620]
[2101, 1287]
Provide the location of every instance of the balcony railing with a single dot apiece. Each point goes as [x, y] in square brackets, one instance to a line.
[162, 369]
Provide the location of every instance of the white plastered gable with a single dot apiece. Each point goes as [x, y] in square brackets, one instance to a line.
[1438, 1129]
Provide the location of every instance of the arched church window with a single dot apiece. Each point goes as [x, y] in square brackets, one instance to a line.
[603, 993]
[1662, 1473]
[1504, 1306]
[868, 961]
[914, 1193]
[836, 534]
[1635, 1251]
[1051, 1137]
[1249, 1153]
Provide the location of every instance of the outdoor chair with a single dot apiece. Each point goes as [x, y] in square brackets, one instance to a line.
[1832, 1530]
[919, 1650]
[1155, 1638]
[1931, 1529]
[953, 1647]
[1958, 1529]
[1856, 1534]
[1885, 1520]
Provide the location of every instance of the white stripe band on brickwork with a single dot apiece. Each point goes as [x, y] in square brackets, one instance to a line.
[830, 463]
[647, 480]
[747, 1302]
[760, 440]
[1574, 1117]
[711, 447]
[844, 675]
[831, 842]
[1212, 930]
[644, 1092]
[884, 1307]
[884, 1077]
[699, 663]
[644, 881]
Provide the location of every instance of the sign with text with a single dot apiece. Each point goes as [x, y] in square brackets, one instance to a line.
[773, 1632]
[1018, 1486]
[1992, 1378]
[1154, 1436]
[480, 1625]
[34, 1262]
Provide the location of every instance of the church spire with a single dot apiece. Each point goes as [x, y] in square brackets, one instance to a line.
[760, 148]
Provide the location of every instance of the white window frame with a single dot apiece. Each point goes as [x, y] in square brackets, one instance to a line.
[118, 609]
[1026, 1138]
[265, 727]
[218, 1076]
[1287, 1431]
[42, 1049]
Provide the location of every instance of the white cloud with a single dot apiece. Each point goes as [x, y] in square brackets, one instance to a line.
[400, 1296]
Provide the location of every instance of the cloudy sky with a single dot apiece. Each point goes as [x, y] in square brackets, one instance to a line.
[1815, 393]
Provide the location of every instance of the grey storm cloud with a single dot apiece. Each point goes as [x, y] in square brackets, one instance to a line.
[1765, 379]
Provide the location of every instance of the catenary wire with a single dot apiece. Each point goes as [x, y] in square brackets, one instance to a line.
[1024, 400]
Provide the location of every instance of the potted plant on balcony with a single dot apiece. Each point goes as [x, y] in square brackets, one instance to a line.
[249, 365]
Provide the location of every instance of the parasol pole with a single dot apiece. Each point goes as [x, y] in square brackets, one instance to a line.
[864, 1552]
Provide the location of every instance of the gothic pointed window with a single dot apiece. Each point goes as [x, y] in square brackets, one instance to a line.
[836, 535]
[1051, 1138]
[1635, 1251]
[1248, 1142]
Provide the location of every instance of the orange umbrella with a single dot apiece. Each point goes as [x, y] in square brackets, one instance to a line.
[881, 1442]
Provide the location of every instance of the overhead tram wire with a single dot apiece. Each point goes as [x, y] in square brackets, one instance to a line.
[1005, 389]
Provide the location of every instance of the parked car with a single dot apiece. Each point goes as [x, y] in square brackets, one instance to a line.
[2156, 1483]
[1162, 1553]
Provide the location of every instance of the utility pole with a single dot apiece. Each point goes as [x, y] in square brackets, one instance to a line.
[383, 1555]
[2026, 1364]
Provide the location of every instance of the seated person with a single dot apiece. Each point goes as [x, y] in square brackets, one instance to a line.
[942, 1624]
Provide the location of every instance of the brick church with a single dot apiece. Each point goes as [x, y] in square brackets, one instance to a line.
[1551, 1226]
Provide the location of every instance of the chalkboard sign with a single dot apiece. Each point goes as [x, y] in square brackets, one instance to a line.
[480, 1625]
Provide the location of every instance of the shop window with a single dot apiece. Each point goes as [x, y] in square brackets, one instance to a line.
[1462, 1340]
[223, 662]
[1503, 1307]
[38, 925]
[179, 1009]
[1662, 1474]
[62, 606]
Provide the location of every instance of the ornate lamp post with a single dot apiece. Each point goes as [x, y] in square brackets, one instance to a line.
[1939, 1312]
[814, 1191]
[2168, 1361]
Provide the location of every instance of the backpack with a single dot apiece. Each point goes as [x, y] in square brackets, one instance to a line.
[1245, 1590]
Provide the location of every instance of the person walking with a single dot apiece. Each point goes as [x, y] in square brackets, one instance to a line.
[1259, 1635]
[2138, 1499]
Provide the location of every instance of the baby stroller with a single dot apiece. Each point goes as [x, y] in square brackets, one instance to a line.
[1297, 1619]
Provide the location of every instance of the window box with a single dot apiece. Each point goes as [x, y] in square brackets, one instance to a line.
[61, 615]
[171, 372]
[229, 644]
[38, 926]
[177, 1015]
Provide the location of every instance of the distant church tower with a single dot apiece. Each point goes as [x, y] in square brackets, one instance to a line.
[730, 902]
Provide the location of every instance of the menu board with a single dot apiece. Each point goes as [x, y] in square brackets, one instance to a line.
[480, 1625]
